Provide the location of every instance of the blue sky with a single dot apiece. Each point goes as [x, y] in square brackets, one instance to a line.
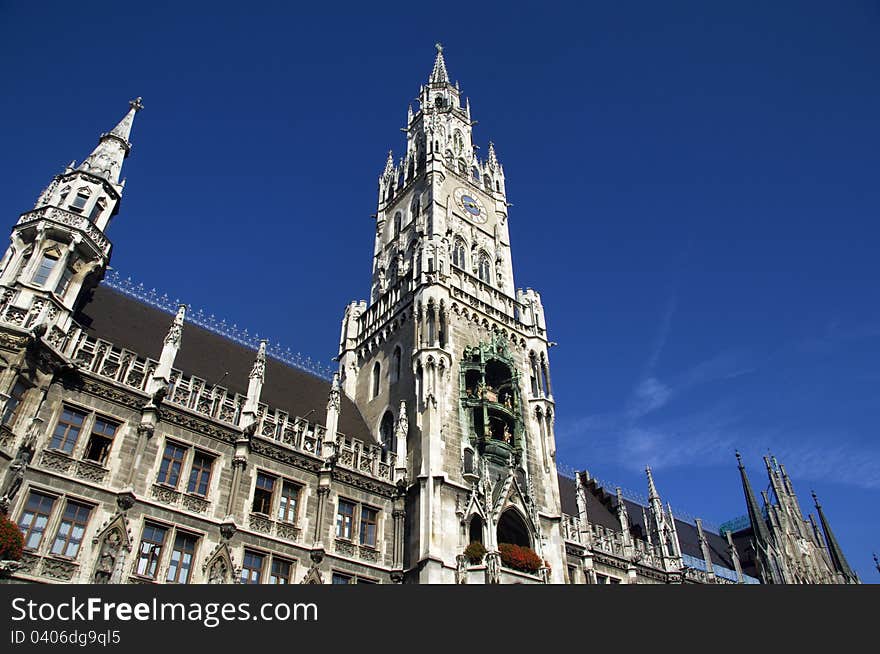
[694, 193]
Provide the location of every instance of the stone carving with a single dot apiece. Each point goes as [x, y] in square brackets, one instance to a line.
[260, 523]
[55, 461]
[15, 473]
[493, 568]
[165, 494]
[110, 551]
[461, 569]
[334, 399]
[219, 572]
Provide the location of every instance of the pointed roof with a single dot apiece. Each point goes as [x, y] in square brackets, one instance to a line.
[652, 489]
[439, 74]
[759, 527]
[113, 147]
[837, 558]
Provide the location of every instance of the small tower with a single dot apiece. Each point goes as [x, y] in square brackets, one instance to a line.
[59, 249]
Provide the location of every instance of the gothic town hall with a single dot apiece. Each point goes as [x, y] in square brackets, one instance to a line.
[140, 444]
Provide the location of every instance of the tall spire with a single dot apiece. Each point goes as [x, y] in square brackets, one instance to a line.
[439, 74]
[837, 558]
[113, 147]
[759, 527]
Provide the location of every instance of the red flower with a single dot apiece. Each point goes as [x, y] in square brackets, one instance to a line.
[519, 557]
[11, 540]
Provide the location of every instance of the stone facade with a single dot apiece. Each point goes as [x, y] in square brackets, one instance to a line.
[125, 459]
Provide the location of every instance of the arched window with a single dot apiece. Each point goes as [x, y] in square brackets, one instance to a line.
[416, 208]
[512, 529]
[476, 173]
[458, 251]
[395, 365]
[469, 468]
[457, 142]
[475, 530]
[487, 182]
[497, 186]
[533, 373]
[377, 376]
[545, 377]
[484, 271]
[64, 193]
[398, 219]
[386, 432]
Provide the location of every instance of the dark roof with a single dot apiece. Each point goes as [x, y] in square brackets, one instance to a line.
[131, 324]
[602, 510]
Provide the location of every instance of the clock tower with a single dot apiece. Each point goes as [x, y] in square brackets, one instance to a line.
[448, 361]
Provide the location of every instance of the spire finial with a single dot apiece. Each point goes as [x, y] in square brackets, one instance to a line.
[136, 104]
[439, 74]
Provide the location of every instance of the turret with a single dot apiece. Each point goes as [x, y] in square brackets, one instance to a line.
[58, 249]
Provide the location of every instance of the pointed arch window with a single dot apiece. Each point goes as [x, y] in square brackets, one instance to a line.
[398, 222]
[458, 253]
[457, 142]
[64, 193]
[484, 270]
[377, 378]
[386, 432]
[416, 208]
[395, 365]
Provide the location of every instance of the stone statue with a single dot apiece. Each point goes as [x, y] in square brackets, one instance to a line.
[218, 573]
[107, 558]
[15, 474]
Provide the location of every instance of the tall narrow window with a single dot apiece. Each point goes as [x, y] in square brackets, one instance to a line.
[252, 567]
[263, 494]
[101, 440]
[67, 430]
[395, 365]
[47, 265]
[70, 531]
[172, 462]
[377, 376]
[397, 224]
[369, 519]
[458, 254]
[386, 431]
[485, 269]
[344, 519]
[288, 502]
[200, 474]
[416, 208]
[545, 377]
[79, 200]
[64, 281]
[280, 573]
[182, 554]
[150, 551]
[98, 209]
[10, 411]
[35, 517]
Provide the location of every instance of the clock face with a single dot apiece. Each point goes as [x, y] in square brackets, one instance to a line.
[472, 206]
